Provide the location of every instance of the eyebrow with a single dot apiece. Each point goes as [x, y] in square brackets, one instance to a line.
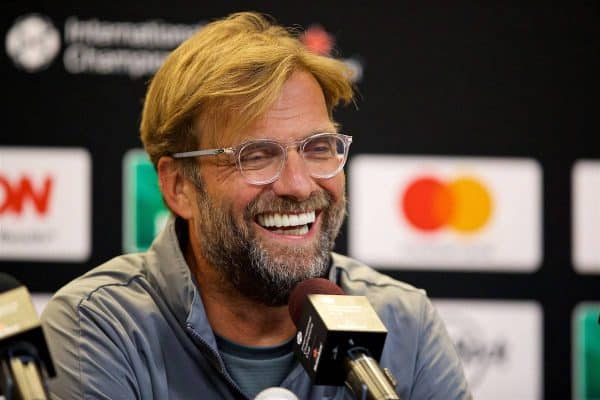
[330, 129]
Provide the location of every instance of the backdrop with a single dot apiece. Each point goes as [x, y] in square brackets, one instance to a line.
[474, 171]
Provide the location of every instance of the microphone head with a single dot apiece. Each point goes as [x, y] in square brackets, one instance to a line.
[276, 393]
[303, 289]
[8, 282]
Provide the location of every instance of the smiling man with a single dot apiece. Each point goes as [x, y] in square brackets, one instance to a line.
[238, 123]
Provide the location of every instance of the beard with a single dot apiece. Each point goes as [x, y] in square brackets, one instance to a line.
[266, 272]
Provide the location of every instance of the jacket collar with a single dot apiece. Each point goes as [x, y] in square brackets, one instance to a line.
[173, 278]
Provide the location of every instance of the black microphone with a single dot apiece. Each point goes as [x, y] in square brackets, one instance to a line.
[339, 340]
[25, 362]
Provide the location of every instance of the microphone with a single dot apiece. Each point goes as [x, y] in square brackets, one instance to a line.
[276, 393]
[339, 340]
[25, 361]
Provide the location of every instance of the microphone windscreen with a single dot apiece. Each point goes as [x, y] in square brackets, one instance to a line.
[8, 282]
[276, 393]
[303, 289]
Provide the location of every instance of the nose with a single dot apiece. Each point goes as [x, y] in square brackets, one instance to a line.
[295, 180]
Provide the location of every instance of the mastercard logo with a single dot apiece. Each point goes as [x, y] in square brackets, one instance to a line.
[463, 204]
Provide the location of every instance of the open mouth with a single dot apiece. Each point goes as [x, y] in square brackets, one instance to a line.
[287, 224]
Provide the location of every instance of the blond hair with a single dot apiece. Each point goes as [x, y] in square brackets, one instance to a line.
[223, 78]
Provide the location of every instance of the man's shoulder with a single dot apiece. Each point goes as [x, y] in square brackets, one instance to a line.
[109, 282]
[386, 294]
[359, 277]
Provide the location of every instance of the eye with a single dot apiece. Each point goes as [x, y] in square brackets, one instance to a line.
[321, 147]
[259, 155]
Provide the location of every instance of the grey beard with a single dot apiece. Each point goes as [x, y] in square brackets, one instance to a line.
[250, 268]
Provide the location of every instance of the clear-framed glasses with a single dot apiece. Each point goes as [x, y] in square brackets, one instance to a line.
[261, 161]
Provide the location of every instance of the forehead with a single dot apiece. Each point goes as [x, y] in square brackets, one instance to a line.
[299, 111]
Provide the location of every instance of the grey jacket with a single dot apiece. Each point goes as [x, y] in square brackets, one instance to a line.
[135, 328]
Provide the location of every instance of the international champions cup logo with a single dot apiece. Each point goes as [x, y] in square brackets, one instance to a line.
[463, 204]
[32, 42]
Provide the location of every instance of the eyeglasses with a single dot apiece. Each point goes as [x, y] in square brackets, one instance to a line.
[261, 161]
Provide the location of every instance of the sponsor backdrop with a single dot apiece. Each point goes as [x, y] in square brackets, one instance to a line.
[474, 172]
[499, 344]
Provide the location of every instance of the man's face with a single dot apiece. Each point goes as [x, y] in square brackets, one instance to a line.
[265, 263]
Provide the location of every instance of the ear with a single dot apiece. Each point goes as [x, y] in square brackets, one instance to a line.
[176, 191]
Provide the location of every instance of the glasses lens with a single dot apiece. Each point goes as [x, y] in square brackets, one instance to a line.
[324, 155]
[261, 161]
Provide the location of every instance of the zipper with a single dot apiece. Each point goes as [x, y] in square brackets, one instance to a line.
[219, 363]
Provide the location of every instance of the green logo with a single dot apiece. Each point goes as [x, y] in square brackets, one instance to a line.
[586, 352]
[144, 212]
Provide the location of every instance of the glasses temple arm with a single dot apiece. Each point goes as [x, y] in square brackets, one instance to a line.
[197, 153]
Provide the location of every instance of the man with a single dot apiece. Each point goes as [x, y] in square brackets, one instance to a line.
[238, 123]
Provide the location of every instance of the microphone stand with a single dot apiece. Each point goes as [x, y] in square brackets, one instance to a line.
[22, 377]
[366, 379]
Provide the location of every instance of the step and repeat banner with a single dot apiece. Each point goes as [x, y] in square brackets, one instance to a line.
[474, 171]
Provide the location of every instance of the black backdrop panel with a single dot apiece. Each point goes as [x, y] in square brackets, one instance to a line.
[463, 80]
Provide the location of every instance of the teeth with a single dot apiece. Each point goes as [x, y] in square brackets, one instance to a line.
[303, 230]
[285, 220]
[303, 219]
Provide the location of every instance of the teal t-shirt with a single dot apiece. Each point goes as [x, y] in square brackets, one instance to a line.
[256, 368]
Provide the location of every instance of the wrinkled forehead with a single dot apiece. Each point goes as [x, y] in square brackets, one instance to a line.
[221, 125]
[228, 129]
[231, 127]
[292, 108]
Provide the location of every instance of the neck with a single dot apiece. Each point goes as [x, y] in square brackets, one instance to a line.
[232, 315]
